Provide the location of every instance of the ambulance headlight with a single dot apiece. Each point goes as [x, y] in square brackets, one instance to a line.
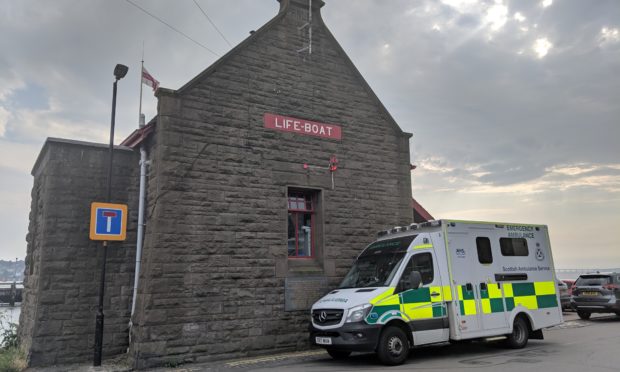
[358, 313]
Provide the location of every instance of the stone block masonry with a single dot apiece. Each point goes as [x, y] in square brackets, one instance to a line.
[216, 280]
[61, 284]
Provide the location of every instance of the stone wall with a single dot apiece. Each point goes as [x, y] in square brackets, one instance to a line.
[62, 275]
[216, 281]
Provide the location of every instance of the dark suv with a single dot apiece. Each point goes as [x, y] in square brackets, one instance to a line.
[596, 293]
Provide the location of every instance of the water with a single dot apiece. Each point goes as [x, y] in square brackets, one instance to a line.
[8, 314]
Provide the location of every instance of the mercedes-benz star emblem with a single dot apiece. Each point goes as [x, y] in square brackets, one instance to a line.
[322, 316]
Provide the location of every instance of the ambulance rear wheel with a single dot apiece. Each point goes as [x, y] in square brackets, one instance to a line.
[338, 354]
[583, 315]
[520, 334]
[393, 346]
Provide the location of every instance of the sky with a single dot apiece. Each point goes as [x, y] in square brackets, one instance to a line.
[513, 105]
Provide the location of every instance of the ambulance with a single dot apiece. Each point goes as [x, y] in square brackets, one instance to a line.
[441, 281]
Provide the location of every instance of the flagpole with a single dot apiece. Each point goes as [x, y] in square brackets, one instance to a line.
[141, 71]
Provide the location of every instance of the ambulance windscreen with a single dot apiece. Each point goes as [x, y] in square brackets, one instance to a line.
[377, 265]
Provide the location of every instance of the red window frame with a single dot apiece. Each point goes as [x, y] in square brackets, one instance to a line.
[307, 201]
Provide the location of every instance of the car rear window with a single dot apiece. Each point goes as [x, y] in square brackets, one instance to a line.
[593, 280]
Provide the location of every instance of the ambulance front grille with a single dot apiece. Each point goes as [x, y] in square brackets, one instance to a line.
[325, 317]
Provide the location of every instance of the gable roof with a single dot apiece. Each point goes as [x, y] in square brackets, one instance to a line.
[284, 7]
[420, 211]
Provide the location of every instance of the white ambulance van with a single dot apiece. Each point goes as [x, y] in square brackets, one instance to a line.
[441, 281]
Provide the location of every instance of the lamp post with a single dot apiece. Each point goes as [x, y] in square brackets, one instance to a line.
[119, 72]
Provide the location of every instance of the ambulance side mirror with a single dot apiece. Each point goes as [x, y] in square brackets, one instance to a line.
[415, 279]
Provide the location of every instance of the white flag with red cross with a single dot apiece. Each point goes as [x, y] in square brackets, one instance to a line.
[148, 79]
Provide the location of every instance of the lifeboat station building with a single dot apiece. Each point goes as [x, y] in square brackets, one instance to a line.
[268, 173]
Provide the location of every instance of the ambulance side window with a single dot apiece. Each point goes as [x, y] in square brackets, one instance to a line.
[422, 262]
[513, 247]
[483, 245]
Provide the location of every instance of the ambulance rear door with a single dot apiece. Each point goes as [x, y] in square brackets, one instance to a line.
[462, 255]
[489, 292]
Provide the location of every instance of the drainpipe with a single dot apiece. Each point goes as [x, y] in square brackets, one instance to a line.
[140, 238]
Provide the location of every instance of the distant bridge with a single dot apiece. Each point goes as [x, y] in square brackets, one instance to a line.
[11, 293]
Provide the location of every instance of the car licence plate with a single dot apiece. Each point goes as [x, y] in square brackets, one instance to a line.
[323, 340]
[590, 293]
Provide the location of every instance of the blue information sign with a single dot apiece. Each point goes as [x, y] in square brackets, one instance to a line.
[108, 221]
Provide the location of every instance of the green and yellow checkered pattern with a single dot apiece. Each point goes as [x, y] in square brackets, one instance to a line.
[420, 304]
[533, 296]
[537, 295]
[491, 299]
[413, 304]
[467, 300]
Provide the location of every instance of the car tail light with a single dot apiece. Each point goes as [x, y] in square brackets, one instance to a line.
[611, 287]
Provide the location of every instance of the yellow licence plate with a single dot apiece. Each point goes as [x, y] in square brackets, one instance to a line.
[591, 293]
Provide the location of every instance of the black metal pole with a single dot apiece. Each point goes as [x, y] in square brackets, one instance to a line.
[99, 318]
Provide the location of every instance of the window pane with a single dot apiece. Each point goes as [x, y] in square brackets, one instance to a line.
[300, 223]
[484, 250]
[291, 235]
[593, 280]
[513, 246]
[301, 204]
[423, 263]
[308, 201]
[304, 234]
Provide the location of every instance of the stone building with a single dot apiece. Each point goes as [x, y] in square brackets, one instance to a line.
[62, 276]
[269, 172]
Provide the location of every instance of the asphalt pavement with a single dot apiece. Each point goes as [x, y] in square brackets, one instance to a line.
[575, 345]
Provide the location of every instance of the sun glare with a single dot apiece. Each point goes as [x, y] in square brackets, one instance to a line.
[541, 47]
[610, 35]
[519, 17]
[496, 16]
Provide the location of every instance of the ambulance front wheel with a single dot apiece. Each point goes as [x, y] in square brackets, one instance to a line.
[393, 346]
[520, 334]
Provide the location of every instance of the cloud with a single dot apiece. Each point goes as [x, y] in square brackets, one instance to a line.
[17, 157]
[482, 178]
[496, 16]
[541, 47]
[609, 36]
[4, 118]
[519, 17]
[52, 123]
[513, 105]
[9, 82]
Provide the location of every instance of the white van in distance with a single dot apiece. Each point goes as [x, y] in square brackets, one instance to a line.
[440, 281]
